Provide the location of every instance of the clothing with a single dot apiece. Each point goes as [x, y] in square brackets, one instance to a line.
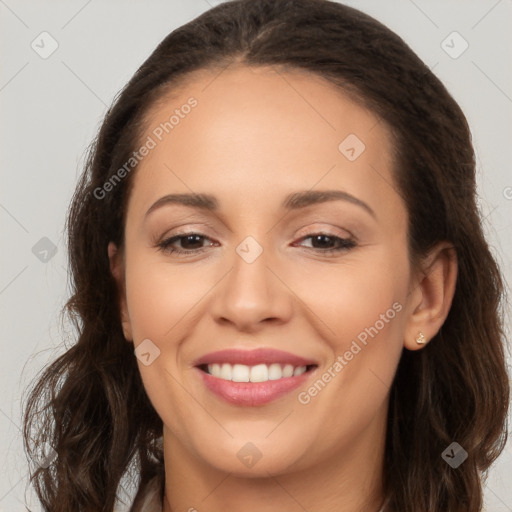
[152, 501]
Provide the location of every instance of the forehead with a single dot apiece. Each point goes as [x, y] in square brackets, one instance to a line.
[254, 131]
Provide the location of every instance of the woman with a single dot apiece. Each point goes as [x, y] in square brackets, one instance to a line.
[282, 291]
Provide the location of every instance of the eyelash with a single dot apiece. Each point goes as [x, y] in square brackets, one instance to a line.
[164, 246]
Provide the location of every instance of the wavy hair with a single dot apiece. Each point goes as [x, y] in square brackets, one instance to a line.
[90, 404]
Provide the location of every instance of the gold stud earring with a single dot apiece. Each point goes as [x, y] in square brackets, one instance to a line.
[420, 340]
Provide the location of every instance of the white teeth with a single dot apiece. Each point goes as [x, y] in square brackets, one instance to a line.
[258, 373]
[288, 370]
[275, 372]
[299, 370]
[225, 372]
[240, 373]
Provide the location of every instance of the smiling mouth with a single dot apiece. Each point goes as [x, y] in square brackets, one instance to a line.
[256, 373]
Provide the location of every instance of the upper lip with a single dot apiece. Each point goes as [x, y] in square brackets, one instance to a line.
[253, 357]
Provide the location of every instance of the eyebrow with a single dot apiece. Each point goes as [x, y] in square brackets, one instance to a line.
[294, 201]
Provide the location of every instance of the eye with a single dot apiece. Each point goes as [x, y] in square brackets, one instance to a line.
[192, 243]
[327, 239]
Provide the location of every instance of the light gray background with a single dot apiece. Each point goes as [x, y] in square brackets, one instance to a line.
[52, 108]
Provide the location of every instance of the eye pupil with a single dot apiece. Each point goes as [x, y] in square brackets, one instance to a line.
[322, 239]
[190, 238]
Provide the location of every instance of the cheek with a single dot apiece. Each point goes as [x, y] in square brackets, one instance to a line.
[360, 311]
[160, 301]
[372, 319]
[356, 298]
[159, 296]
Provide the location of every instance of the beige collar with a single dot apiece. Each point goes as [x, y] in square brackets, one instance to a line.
[151, 500]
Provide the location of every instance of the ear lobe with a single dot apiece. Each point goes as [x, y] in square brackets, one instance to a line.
[116, 260]
[432, 298]
[113, 257]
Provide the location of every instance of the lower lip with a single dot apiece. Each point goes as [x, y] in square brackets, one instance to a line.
[252, 393]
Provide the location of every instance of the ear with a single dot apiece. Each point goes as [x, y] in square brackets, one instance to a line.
[116, 259]
[432, 295]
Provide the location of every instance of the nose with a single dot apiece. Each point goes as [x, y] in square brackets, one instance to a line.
[252, 295]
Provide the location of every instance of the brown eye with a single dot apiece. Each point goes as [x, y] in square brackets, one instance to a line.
[190, 243]
[327, 243]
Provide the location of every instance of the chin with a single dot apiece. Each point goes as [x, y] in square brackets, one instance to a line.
[248, 459]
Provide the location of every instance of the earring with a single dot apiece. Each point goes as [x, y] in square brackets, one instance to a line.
[420, 340]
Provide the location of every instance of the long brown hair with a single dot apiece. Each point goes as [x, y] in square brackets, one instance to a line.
[90, 404]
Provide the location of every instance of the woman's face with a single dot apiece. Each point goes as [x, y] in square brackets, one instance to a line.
[258, 273]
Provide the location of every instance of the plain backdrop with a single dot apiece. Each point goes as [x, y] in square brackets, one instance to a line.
[53, 104]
